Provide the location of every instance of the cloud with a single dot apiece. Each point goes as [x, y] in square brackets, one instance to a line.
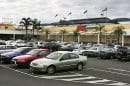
[45, 10]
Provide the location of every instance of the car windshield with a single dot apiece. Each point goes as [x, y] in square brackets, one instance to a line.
[108, 49]
[54, 56]
[33, 52]
[93, 48]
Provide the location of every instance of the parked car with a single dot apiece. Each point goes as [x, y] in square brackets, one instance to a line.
[52, 46]
[116, 47]
[2, 42]
[107, 53]
[6, 57]
[92, 52]
[81, 49]
[24, 60]
[59, 60]
[7, 48]
[39, 44]
[19, 43]
[70, 47]
[123, 53]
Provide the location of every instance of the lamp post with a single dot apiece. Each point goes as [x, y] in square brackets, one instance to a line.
[98, 38]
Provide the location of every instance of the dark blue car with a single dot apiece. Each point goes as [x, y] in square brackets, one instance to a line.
[6, 57]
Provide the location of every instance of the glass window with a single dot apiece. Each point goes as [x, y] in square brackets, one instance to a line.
[73, 56]
[11, 47]
[43, 53]
[65, 57]
[54, 55]
[33, 52]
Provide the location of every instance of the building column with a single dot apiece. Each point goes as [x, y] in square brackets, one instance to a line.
[98, 41]
[48, 36]
[14, 36]
[122, 40]
[62, 38]
[78, 38]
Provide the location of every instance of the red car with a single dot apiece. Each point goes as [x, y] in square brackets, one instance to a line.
[24, 60]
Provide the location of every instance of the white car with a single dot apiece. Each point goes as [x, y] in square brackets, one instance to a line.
[81, 49]
[7, 48]
[59, 60]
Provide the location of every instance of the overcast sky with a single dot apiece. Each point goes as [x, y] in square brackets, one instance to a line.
[45, 10]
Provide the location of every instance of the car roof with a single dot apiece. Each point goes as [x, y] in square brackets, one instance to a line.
[63, 52]
[41, 49]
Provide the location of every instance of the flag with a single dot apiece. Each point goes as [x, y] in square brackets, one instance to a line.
[102, 14]
[56, 15]
[69, 13]
[104, 10]
[85, 11]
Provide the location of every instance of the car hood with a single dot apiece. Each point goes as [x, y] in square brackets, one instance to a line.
[24, 57]
[44, 61]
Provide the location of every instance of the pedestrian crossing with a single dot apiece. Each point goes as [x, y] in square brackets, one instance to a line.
[81, 78]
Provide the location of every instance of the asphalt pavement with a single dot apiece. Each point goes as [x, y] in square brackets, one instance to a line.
[97, 73]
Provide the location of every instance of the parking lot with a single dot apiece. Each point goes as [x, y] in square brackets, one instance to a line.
[97, 73]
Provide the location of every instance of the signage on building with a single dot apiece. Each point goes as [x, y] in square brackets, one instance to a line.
[85, 27]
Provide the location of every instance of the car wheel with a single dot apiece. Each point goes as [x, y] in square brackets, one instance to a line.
[51, 70]
[80, 66]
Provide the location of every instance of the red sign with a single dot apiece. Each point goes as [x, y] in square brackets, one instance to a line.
[81, 27]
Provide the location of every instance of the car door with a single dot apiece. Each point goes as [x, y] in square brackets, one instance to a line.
[74, 60]
[64, 62]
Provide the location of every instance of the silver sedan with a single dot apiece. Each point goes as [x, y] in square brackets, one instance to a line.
[59, 60]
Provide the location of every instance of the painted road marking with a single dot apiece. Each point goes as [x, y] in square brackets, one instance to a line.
[97, 81]
[81, 78]
[119, 69]
[61, 76]
[108, 71]
[119, 84]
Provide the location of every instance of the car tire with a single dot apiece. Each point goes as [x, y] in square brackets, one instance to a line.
[51, 70]
[80, 66]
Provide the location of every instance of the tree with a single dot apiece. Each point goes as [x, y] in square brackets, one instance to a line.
[100, 28]
[76, 33]
[63, 31]
[36, 25]
[46, 33]
[26, 22]
[118, 31]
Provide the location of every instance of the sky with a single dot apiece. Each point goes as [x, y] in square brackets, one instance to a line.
[45, 10]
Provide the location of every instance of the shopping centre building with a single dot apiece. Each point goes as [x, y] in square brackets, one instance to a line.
[86, 29]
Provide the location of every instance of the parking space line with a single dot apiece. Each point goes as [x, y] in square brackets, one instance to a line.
[76, 77]
[18, 71]
[109, 71]
[81, 78]
[63, 76]
[119, 69]
[97, 81]
[119, 84]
